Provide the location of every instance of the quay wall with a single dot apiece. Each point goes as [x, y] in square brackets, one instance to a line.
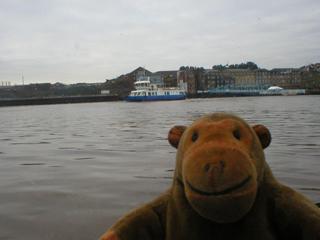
[58, 100]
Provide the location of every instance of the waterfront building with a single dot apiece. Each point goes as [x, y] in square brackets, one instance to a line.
[154, 78]
[168, 74]
[309, 74]
[289, 78]
[214, 79]
[187, 80]
[240, 75]
[262, 76]
[285, 77]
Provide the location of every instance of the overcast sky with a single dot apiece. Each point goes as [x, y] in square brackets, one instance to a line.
[91, 41]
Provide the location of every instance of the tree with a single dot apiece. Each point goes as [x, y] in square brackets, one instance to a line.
[252, 65]
[248, 65]
[219, 67]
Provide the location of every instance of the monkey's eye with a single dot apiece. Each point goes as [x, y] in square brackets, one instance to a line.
[195, 137]
[237, 135]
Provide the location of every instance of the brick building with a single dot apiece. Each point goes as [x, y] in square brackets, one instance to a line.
[214, 79]
[187, 80]
[168, 74]
[286, 77]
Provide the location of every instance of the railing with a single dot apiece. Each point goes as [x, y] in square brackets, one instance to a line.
[283, 92]
[241, 88]
[257, 88]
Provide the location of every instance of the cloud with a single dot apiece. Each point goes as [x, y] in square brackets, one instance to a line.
[89, 41]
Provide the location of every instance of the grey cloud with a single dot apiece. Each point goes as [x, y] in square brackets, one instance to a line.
[89, 41]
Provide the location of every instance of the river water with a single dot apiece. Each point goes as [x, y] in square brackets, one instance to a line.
[70, 171]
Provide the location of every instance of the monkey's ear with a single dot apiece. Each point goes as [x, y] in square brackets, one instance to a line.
[263, 134]
[175, 134]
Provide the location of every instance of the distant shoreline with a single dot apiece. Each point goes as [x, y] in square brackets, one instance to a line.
[112, 98]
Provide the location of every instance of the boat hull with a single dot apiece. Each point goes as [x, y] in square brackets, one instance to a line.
[154, 98]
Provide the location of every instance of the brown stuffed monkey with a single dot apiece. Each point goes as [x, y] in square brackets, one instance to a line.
[222, 189]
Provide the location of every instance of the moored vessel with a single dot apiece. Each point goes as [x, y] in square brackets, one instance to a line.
[146, 91]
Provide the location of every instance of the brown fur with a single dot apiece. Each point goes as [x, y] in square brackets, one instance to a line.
[222, 189]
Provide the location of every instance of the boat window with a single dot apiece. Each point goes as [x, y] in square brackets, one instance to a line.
[149, 93]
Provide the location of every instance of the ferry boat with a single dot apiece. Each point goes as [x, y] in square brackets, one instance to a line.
[146, 91]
